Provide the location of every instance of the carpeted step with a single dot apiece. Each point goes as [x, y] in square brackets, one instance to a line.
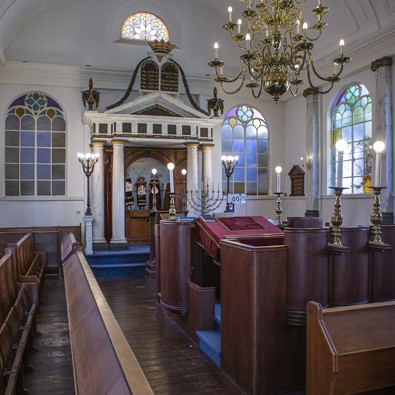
[119, 263]
[210, 344]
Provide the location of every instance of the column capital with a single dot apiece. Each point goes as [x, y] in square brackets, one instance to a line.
[98, 143]
[192, 144]
[117, 142]
[310, 92]
[207, 145]
[385, 61]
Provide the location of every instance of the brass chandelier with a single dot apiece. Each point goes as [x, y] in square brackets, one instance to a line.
[276, 46]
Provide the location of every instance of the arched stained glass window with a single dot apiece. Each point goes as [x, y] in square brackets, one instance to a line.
[35, 147]
[144, 26]
[245, 134]
[352, 121]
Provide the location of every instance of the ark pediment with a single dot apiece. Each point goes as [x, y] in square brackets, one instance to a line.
[157, 104]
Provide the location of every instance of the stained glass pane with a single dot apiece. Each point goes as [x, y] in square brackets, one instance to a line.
[249, 136]
[32, 146]
[227, 146]
[355, 109]
[144, 26]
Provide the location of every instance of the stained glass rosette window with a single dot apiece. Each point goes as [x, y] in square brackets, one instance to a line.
[352, 121]
[35, 147]
[245, 134]
[144, 26]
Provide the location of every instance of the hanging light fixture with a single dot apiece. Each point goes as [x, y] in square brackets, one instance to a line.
[276, 46]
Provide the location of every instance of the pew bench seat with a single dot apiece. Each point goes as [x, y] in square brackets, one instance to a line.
[17, 325]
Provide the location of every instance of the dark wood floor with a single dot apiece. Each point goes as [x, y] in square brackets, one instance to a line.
[172, 363]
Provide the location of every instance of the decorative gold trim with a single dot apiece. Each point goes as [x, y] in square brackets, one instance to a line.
[310, 92]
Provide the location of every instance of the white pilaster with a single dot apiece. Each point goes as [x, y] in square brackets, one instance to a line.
[207, 168]
[88, 234]
[118, 195]
[312, 150]
[383, 127]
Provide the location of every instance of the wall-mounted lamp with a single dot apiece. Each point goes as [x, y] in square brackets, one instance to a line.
[309, 162]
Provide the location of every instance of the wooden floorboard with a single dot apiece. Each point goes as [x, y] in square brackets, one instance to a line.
[53, 373]
[171, 361]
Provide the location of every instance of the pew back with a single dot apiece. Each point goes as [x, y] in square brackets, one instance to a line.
[350, 349]
[103, 361]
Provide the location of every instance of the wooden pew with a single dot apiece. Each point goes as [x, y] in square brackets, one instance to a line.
[350, 349]
[103, 361]
[18, 305]
[29, 264]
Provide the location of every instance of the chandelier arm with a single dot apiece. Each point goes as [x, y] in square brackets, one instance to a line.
[326, 79]
[260, 91]
[315, 88]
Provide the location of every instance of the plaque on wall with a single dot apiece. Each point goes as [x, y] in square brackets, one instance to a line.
[149, 76]
[169, 77]
[297, 181]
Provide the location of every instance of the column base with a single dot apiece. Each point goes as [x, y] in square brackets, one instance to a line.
[388, 218]
[100, 245]
[312, 213]
[118, 245]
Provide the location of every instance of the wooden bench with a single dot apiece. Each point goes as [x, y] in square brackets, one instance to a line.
[350, 349]
[103, 361]
[18, 305]
[29, 264]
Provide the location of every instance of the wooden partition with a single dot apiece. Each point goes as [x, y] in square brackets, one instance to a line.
[253, 329]
[307, 271]
[304, 222]
[382, 269]
[350, 349]
[103, 361]
[349, 271]
[175, 264]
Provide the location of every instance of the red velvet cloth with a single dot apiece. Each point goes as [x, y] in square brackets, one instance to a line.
[209, 234]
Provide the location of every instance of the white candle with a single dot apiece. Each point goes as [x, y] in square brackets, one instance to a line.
[278, 170]
[378, 146]
[248, 40]
[230, 14]
[170, 166]
[238, 26]
[341, 146]
[216, 46]
[298, 26]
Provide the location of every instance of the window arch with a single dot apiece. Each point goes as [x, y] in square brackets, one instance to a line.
[35, 147]
[352, 121]
[245, 134]
[144, 26]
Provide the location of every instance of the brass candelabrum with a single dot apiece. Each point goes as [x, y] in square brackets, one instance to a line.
[376, 218]
[206, 201]
[172, 210]
[279, 209]
[336, 218]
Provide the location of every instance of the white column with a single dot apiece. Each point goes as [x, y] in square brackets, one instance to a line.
[97, 195]
[192, 172]
[382, 130]
[312, 149]
[207, 167]
[118, 195]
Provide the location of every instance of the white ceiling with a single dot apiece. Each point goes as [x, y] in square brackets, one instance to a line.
[84, 32]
